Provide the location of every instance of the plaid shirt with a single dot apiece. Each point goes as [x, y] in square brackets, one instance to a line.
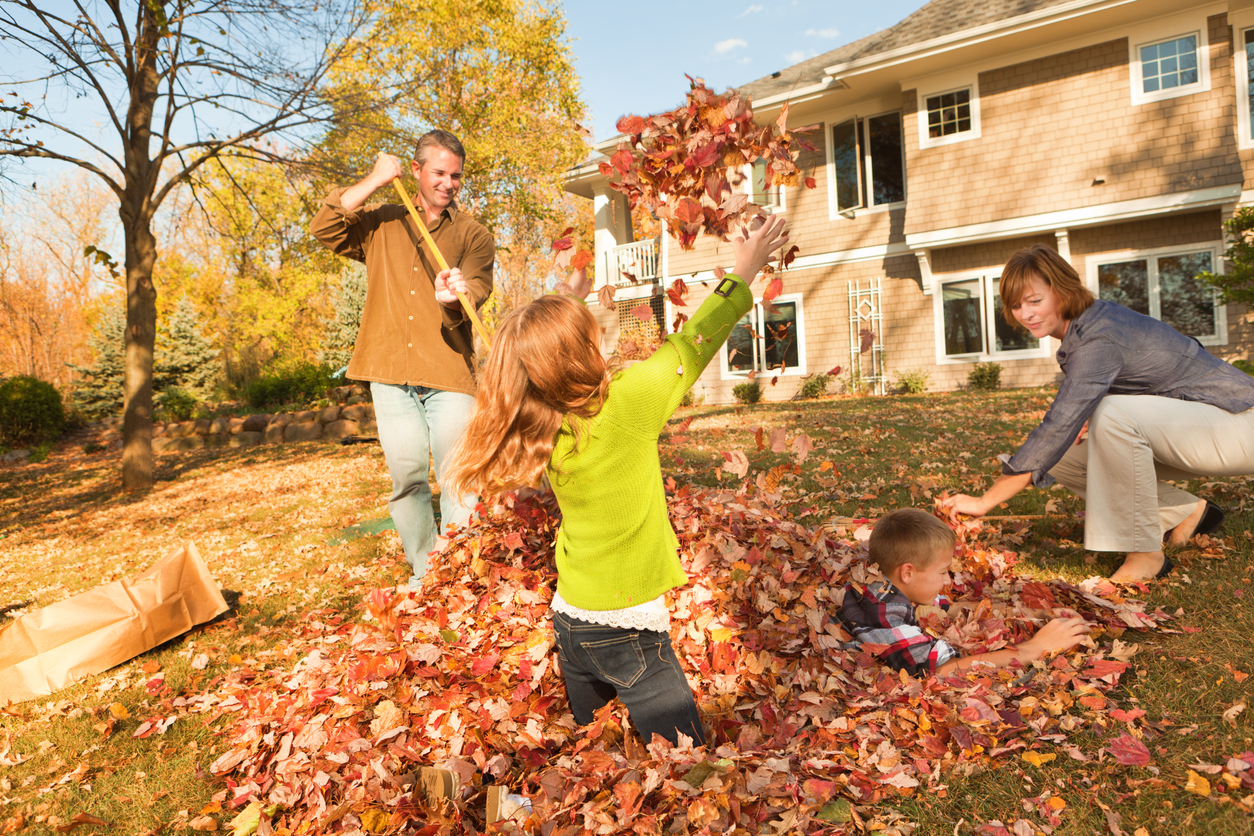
[881, 614]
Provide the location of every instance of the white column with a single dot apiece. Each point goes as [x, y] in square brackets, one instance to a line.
[613, 224]
[1063, 239]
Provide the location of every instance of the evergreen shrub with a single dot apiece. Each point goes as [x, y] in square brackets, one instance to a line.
[30, 412]
[175, 404]
[814, 386]
[748, 393]
[295, 383]
[912, 381]
[986, 376]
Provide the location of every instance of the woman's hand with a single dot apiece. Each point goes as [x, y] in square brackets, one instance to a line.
[753, 249]
[963, 504]
[448, 283]
[1006, 486]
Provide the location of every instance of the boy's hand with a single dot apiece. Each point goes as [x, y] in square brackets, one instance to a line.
[753, 249]
[447, 284]
[1055, 637]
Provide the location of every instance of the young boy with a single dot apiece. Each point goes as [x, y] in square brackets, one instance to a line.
[913, 550]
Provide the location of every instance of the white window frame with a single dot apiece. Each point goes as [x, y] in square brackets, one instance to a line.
[1151, 256]
[727, 374]
[780, 195]
[1159, 31]
[950, 84]
[988, 286]
[1241, 24]
[866, 172]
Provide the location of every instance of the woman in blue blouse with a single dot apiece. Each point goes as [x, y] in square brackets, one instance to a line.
[1155, 404]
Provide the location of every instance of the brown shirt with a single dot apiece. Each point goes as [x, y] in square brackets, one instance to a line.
[406, 336]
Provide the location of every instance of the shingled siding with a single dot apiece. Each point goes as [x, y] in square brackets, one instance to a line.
[1051, 126]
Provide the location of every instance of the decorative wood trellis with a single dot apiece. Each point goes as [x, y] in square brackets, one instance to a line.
[866, 369]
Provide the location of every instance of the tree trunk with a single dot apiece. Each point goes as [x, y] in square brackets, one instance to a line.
[136, 211]
[141, 333]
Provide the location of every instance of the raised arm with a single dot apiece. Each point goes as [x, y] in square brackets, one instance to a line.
[386, 169]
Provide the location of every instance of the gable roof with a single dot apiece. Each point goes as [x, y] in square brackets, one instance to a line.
[935, 20]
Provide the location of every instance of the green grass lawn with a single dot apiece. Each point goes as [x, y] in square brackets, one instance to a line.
[266, 519]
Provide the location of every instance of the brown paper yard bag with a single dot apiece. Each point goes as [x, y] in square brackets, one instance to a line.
[48, 649]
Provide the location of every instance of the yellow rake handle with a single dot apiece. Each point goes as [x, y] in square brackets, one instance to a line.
[439, 257]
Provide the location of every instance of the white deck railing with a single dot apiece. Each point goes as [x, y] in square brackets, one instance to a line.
[639, 258]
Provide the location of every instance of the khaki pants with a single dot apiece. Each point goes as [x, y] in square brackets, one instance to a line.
[1134, 443]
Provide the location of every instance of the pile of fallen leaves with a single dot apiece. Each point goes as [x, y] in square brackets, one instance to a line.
[804, 735]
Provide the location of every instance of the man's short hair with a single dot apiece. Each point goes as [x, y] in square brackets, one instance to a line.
[438, 139]
[909, 535]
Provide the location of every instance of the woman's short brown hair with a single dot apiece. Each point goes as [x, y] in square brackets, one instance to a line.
[1041, 262]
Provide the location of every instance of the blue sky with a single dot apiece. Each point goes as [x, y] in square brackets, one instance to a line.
[632, 56]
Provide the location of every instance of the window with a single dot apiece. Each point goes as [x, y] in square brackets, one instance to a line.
[1245, 90]
[1169, 64]
[767, 339]
[972, 325]
[770, 197]
[1164, 63]
[1165, 286]
[949, 113]
[868, 162]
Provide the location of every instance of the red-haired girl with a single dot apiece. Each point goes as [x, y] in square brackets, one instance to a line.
[548, 403]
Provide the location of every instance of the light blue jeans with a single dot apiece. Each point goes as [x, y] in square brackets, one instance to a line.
[416, 424]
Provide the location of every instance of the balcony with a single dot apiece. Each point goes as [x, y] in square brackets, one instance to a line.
[638, 259]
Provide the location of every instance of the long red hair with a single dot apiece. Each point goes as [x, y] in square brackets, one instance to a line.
[545, 364]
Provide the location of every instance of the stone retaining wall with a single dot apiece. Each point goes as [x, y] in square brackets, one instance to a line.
[331, 422]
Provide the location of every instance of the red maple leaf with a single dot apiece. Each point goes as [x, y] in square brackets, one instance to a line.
[1129, 751]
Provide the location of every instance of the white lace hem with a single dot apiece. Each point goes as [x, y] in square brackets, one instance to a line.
[651, 615]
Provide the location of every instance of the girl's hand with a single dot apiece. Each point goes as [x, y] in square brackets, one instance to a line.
[753, 249]
[447, 285]
[578, 285]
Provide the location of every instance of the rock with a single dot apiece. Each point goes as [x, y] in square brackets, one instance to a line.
[357, 412]
[201, 427]
[304, 417]
[246, 439]
[281, 420]
[274, 433]
[179, 445]
[16, 455]
[329, 414]
[236, 425]
[303, 431]
[339, 429]
[220, 426]
[178, 430]
[352, 399]
[255, 423]
[217, 439]
[158, 430]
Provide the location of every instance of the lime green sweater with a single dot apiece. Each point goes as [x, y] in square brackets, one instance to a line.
[616, 548]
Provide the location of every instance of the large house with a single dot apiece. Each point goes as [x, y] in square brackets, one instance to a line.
[1116, 131]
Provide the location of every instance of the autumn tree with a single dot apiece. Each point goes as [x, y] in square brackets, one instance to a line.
[49, 286]
[176, 83]
[499, 75]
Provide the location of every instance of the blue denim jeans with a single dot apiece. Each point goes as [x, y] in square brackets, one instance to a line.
[637, 666]
[415, 425]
